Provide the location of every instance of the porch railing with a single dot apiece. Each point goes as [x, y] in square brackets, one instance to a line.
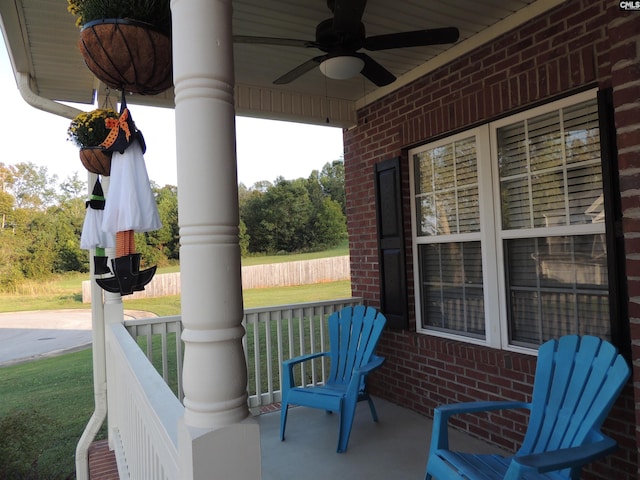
[143, 412]
[144, 370]
[273, 334]
[278, 333]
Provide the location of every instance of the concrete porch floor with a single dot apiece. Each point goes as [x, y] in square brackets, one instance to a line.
[396, 447]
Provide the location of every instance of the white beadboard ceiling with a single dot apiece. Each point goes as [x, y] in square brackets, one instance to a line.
[41, 37]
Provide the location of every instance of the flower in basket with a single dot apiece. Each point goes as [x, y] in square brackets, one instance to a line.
[89, 129]
[154, 12]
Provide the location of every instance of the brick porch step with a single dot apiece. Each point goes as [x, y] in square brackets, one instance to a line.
[102, 462]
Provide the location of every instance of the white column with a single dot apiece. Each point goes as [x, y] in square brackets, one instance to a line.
[217, 437]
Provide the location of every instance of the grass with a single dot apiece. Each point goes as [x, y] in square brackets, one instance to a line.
[57, 392]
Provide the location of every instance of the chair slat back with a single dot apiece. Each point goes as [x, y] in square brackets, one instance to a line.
[353, 335]
[577, 381]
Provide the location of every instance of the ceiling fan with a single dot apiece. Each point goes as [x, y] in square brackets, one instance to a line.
[342, 36]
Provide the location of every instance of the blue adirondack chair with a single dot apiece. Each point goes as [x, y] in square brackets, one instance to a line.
[577, 381]
[353, 336]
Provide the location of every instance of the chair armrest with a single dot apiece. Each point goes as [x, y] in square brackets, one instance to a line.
[287, 368]
[374, 363]
[303, 358]
[356, 384]
[568, 457]
[473, 407]
[440, 433]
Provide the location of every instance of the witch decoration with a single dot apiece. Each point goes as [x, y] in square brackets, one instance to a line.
[130, 207]
[92, 234]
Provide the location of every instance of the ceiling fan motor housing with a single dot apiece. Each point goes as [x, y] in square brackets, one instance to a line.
[330, 40]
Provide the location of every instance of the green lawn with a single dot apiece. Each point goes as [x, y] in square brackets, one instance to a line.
[44, 407]
[45, 404]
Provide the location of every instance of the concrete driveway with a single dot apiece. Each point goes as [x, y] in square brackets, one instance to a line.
[26, 336]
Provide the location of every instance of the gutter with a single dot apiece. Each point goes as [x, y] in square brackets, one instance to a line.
[23, 81]
[97, 309]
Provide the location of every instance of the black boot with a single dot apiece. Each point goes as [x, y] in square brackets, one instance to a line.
[100, 266]
[123, 270]
[127, 275]
[141, 277]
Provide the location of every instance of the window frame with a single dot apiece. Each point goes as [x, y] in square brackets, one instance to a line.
[491, 234]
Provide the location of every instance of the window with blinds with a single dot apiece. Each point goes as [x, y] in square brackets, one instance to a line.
[447, 212]
[549, 168]
[552, 215]
[543, 251]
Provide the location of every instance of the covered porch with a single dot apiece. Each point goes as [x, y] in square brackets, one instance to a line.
[144, 388]
[511, 55]
[395, 447]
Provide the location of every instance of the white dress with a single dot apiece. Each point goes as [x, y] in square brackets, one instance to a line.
[130, 203]
[92, 234]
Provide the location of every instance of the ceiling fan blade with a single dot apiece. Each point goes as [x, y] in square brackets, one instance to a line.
[375, 72]
[417, 38]
[286, 42]
[300, 70]
[347, 14]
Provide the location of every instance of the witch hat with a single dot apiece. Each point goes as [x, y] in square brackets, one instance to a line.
[96, 200]
[122, 131]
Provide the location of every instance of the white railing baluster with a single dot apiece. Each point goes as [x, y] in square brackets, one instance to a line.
[165, 355]
[256, 358]
[312, 344]
[269, 358]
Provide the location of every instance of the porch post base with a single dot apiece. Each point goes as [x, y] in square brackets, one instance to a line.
[231, 452]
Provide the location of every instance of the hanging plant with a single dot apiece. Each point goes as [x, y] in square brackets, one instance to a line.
[87, 131]
[126, 43]
[152, 12]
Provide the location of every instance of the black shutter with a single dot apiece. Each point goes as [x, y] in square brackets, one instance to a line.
[391, 253]
[618, 296]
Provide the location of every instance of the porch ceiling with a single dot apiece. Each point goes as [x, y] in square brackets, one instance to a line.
[41, 38]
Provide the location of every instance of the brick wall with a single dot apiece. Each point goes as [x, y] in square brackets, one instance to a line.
[578, 45]
[624, 33]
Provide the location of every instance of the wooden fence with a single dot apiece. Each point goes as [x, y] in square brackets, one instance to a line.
[286, 274]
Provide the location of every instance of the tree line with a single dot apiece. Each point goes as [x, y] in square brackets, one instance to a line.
[41, 220]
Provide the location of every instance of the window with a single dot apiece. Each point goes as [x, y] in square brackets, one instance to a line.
[508, 229]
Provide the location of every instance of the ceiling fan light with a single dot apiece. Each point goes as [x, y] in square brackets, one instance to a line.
[342, 67]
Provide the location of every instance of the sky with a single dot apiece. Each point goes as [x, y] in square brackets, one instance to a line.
[266, 149]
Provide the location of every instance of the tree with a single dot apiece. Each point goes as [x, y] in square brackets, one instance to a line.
[295, 215]
[277, 219]
[32, 187]
[6, 208]
[163, 244]
[6, 199]
[332, 181]
[72, 187]
[243, 238]
[328, 224]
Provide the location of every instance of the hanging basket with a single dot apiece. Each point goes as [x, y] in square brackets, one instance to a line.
[96, 160]
[127, 55]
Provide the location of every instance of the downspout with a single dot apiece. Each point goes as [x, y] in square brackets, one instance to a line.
[97, 308]
[99, 379]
